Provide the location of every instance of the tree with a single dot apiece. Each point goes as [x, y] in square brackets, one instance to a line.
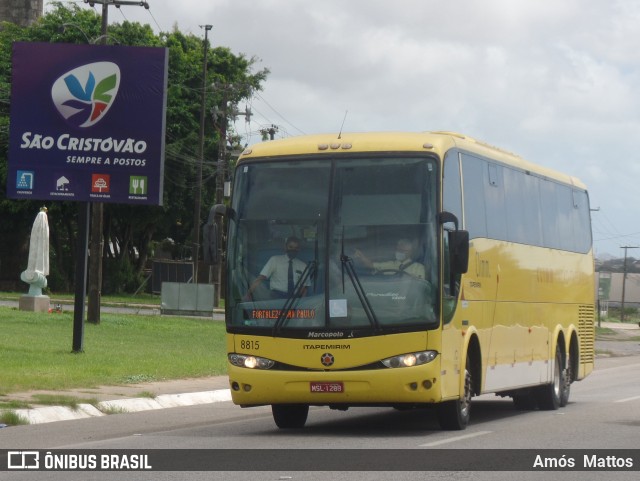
[129, 232]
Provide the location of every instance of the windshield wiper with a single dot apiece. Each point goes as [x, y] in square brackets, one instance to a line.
[295, 295]
[347, 262]
[362, 296]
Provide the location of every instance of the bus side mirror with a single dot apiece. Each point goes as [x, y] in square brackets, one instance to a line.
[210, 243]
[459, 250]
[458, 244]
[447, 217]
[210, 233]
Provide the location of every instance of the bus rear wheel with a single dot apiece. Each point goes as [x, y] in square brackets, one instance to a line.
[290, 416]
[565, 387]
[555, 395]
[455, 415]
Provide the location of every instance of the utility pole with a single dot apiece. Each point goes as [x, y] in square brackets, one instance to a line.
[221, 169]
[271, 131]
[220, 118]
[222, 152]
[197, 208]
[96, 246]
[624, 279]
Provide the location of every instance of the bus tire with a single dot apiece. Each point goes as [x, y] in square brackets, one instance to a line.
[565, 387]
[290, 416]
[455, 415]
[551, 396]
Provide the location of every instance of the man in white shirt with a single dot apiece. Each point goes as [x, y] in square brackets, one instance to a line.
[283, 272]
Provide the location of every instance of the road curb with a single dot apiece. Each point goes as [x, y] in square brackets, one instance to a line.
[47, 414]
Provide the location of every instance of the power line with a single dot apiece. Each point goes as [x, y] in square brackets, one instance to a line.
[278, 113]
[624, 279]
[154, 20]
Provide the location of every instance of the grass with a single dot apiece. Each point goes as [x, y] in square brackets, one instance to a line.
[48, 400]
[113, 410]
[36, 350]
[62, 400]
[147, 394]
[11, 418]
[603, 330]
[14, 404]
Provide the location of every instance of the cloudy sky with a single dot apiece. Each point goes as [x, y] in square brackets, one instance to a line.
[556, 81]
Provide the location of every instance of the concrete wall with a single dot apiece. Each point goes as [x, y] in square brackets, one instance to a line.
[612, 282]
[21, 12]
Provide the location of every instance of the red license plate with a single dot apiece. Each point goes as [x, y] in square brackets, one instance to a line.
[326, 387]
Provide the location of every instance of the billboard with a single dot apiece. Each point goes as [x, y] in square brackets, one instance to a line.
[87, 123]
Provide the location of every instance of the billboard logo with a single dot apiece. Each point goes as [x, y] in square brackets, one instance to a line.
[24, 180]
[23, 460]
[62, 184]
[100, 183]
[84, 95]
[138, 185]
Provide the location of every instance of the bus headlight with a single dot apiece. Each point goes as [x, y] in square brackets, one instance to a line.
[250, 362]
[410, 359]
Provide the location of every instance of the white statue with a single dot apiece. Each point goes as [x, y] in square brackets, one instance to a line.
[38, 266]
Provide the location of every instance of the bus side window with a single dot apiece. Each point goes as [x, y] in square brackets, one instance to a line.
[452, 202]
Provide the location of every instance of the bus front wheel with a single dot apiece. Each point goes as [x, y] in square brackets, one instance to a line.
[455, 415]
[290, 416]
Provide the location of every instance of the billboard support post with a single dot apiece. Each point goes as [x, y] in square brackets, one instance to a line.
[81, 276]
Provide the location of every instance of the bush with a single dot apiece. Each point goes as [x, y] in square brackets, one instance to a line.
[120, 277]
[57, 281]
[630, 313]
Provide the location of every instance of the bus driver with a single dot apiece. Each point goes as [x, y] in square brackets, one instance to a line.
[403, 261]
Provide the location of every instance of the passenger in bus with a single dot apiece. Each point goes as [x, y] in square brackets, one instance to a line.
[283, 272]
[402, 263]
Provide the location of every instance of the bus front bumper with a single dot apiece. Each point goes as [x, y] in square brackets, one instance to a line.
[410, 385]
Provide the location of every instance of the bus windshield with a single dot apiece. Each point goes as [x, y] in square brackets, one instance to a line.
[344, 244]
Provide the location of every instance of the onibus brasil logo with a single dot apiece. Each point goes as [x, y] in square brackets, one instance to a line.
[84, 95]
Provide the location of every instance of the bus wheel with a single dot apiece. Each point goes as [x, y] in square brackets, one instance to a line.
[550, 396]
[455, 415]
[290, 416]
[565, 387]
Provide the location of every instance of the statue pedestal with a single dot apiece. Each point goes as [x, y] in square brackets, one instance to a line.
[34, 303]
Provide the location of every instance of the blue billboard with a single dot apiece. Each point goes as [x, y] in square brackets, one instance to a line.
[87, 123]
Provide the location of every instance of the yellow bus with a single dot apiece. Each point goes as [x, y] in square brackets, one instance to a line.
[426, 268]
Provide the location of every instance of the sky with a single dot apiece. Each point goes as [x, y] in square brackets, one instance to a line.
[555, 81]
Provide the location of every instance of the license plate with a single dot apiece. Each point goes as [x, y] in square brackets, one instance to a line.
[326, 387]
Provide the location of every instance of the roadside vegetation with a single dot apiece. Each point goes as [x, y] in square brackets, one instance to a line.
[631, 316]
[124, 300]
[36, 350]
[10, 418]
